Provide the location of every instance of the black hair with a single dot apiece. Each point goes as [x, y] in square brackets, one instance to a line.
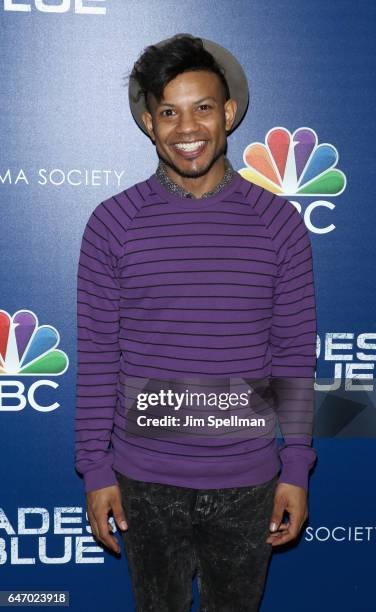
[158, 65]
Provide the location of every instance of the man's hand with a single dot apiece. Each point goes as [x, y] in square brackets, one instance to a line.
[293, 499]
[99, 503]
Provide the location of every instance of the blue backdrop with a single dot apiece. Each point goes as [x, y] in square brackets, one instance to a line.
[69, 142]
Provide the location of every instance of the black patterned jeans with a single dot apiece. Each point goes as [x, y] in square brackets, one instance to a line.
[174, 531]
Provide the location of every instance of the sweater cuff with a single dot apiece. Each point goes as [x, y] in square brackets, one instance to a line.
[99, 478]
[295, 473]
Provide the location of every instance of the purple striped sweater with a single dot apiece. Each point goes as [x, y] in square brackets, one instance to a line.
[173, 287]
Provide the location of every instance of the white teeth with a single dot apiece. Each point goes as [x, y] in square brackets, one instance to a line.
[189, 146]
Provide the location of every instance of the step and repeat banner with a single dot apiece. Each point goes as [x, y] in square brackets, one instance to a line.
[68, 141]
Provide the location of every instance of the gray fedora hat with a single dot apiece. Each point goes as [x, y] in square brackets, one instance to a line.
[232, 71]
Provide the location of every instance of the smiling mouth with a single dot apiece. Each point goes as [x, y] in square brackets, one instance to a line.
[190, 149]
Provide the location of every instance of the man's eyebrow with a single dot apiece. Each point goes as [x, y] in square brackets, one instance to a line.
[196, 102]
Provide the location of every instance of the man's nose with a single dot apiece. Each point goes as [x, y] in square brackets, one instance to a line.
[187, 123]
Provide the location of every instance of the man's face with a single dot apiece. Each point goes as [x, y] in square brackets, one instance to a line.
[189, 124]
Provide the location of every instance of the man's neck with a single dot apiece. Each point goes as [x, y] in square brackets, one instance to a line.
[202, 184]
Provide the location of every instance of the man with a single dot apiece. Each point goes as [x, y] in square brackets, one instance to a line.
[194, 272]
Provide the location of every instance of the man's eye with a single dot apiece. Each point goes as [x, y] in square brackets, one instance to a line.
[205, 106]
[167, 113]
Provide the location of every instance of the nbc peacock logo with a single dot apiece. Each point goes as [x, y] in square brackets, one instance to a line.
[27, 348]
[294, 164]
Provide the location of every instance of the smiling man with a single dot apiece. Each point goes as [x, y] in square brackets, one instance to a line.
[194, 274]
[189, 130]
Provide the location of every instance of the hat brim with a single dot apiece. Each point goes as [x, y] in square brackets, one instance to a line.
[233, 73]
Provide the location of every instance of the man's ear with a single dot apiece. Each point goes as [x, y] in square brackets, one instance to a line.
[230, 108]
[148, 122]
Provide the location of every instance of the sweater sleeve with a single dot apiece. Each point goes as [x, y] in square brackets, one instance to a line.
[293, 349]
[98, 352]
